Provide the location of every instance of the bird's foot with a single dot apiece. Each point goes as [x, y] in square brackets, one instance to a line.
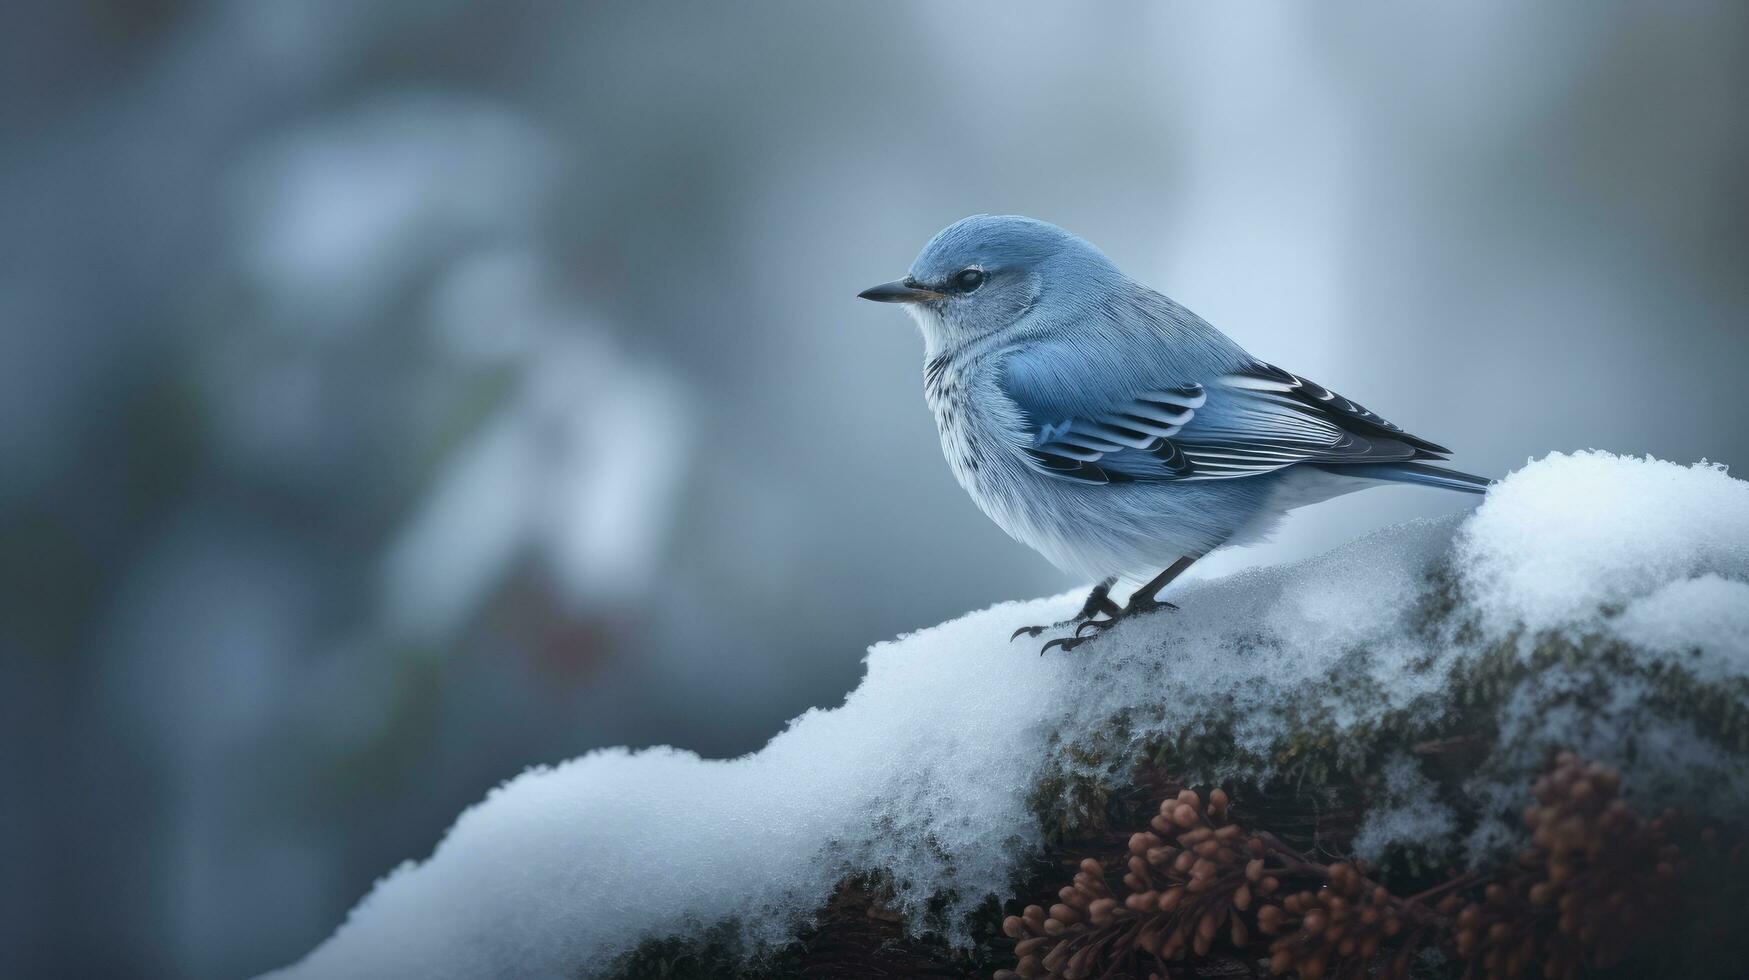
[1098, 602]
[1137, 607]
[1068, 642]
[1090, 628]
[1141, 601]
[1073, 621]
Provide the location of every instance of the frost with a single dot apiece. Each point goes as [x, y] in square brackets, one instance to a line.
[1559, 607]
[1409, 814]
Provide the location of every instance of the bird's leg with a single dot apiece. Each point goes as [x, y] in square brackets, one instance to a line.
[1141, 601]
[1098, 601]
[1144, 599]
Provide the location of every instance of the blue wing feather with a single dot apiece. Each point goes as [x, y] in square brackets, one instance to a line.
[1084, 423]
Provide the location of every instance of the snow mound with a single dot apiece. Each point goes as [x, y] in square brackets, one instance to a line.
[1559, 540]
[944, 767]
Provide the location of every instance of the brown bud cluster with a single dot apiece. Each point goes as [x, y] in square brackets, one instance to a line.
[1190, 878]
[1596, 877]
[1192, 866]
[1349, 918]
[1055, 942]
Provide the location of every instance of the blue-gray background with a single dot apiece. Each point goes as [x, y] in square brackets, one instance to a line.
[394, 395]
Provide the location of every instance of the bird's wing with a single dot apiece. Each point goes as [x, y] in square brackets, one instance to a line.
[1251, 420]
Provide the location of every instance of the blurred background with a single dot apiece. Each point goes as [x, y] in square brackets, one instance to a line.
[396, 395]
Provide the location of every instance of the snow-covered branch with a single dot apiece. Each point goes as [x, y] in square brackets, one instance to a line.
[1415, 680]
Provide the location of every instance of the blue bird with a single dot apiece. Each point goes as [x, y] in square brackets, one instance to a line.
[1113, 430]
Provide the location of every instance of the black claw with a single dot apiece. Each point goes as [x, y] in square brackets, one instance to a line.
[1096, 625]
[1066, 642]
[1028, 630]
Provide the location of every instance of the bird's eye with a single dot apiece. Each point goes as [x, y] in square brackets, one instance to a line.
[968, 280]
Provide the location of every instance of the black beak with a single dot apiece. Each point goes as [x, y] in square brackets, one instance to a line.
[899, 291]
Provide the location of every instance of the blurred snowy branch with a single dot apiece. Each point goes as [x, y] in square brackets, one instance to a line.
[580, 468]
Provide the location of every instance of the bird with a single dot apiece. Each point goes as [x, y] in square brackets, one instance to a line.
[1113, 430]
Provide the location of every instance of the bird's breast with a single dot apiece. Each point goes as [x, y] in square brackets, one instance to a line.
[973, 437]
[960, 442]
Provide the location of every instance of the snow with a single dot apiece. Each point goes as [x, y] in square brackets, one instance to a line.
[1559, 540]
[928, 768]
[1699, 621]
[1408, 814]
[917, 771]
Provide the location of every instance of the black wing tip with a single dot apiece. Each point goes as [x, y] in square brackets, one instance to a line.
[1425, 449]
[1451, 479]
[1355, 413]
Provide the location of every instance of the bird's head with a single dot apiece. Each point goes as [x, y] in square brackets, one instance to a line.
[984, 274]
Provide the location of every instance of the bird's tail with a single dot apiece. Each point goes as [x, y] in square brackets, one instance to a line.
[1420, 474]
